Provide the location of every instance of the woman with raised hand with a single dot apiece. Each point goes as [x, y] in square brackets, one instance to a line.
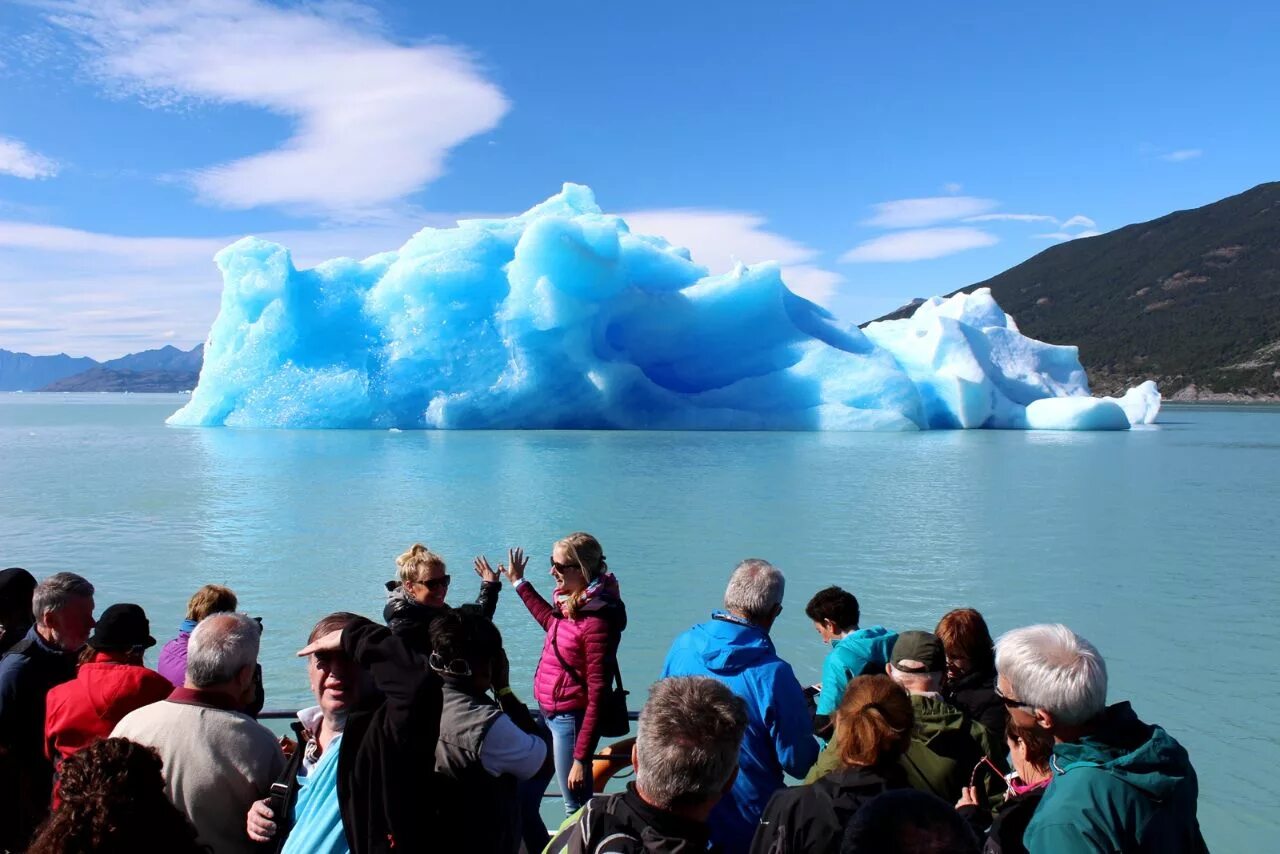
[872, 731]
[417, 595]
[583, 625]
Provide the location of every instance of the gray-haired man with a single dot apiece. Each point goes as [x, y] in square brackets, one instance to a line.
[686, 758]
[217, 759]
[1118, 784]
[63, 609]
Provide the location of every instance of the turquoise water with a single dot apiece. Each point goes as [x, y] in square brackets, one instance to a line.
[1159, 544]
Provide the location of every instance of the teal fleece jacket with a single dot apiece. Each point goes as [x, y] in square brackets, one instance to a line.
[1128, 787]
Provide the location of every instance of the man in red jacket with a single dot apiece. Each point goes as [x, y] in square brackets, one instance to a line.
[109, 684]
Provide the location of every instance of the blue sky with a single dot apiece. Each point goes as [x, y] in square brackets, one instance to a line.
[878, 151]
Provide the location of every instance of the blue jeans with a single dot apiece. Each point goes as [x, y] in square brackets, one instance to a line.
[564, 734]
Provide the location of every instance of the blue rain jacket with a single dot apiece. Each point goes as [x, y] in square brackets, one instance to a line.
[779, 737]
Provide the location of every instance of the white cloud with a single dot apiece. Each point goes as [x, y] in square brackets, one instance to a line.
[952, 187]
[1079, 221]
[719, 239]
[919, 245]
[1064, 236]
[914, 213]
[1011, 217]
[374, 119]
[21, 162]
[1182, 154]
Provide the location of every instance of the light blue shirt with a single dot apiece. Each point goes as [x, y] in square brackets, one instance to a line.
[317, 819]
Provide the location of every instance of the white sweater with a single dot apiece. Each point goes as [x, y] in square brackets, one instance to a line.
[216, 764]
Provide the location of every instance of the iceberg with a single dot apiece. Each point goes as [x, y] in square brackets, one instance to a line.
[561, 317]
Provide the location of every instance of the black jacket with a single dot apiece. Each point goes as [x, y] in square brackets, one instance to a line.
[1004, 836]
[411, 621]
[975, 695]
[812, 818]
[388, 748]
[629, 826]
[27, 672]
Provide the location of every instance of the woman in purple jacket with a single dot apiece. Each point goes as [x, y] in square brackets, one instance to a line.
[210, 599]
[584, 624]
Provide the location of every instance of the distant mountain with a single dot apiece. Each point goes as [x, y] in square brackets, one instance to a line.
[167, 358]
[1191, 300]
[103, 378]
[165, 369]
[24, 372]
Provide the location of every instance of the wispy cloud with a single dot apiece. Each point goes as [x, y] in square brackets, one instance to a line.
[1182, 154]
[914, 213]
[1079, 221]
[1011, 217]
[21, 162]
[952, 188]
[919, 245]
[718, 239]
[374, 119]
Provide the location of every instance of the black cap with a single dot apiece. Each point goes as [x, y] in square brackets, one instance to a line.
[918, 652]
[17, 585]
[122, 627]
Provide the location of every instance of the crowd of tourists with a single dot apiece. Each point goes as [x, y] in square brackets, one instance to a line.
[915, 741]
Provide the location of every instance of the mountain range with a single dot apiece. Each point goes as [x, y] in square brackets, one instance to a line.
[1191, 300]
[165, 369]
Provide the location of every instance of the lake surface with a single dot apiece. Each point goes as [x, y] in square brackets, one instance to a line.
[1160, 545]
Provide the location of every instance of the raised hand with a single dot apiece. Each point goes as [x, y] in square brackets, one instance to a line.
[515, 570]
[485, 571]
[331, 642]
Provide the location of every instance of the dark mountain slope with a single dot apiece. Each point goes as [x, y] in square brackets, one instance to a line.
[1189, 299]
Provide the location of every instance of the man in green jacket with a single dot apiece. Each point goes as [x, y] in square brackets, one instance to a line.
[946, 744]
[1118, 784]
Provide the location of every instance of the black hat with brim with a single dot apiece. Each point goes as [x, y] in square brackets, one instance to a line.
[123, 626]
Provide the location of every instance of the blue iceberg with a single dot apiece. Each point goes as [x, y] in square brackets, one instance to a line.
[563, 318]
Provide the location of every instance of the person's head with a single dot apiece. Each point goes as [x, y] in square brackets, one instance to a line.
[755, 592]
[122, 629]
[906, 821]
[16, 587]
[63, 608]
[873, 721]
[423, 576]
[576, 561]
[686, 750]
[1050, 677]
[210, 599]
[222, 654]
[464, 643]
[834, 613]
[335, 678]
[917, 662]
[1030, 748]
[112, 799]
[967, 642]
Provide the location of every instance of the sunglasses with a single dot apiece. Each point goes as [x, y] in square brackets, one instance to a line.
[435, 583]
[1010, 703]
[563, 567]
[457, 667]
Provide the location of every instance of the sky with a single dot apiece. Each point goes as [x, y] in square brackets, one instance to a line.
[878, 152]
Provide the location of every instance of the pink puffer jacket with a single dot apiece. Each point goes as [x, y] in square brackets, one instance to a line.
[588, 645]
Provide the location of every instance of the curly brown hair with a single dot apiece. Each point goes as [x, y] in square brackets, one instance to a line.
[113, 802]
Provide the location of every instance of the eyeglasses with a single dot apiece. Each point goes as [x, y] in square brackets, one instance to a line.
[435, 583]
[1010, 703]
[457, 667]
[973, 776]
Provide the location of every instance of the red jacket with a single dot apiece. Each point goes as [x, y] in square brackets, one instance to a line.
[588, 645]
[79, 712]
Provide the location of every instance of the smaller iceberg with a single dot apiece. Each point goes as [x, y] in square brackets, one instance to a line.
[561, 317]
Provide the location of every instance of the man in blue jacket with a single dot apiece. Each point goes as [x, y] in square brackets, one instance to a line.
[734, 647]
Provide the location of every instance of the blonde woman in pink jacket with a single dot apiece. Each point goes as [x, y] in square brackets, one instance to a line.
[584, 623]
